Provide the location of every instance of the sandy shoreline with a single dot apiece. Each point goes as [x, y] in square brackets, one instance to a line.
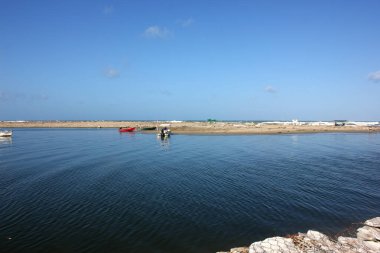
[197, 127]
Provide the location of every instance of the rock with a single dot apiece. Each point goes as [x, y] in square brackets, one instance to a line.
[367, 233]
[274, 245]
[315, 235]
[374, 246]
[375, 222]
[367, 241]
[240, 250]
[349, 244]
[302, 243]
[348, 241]
[319, 240]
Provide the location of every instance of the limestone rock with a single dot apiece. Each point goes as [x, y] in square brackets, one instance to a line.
[274, 245]
[348, 241]
[367, 233]
[302, 243]
[349, 244]
[367, 241]
[236, 250]
[374, 246]
[375, 222]
[240, 250]
[320, 241]
[315, 235]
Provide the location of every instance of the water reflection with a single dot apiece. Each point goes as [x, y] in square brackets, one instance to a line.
[128, 135]
[5, 140]
[294, 138]
[164, 141]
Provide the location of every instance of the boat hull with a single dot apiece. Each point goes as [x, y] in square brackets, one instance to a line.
[125, 130]
[165, 133]
[6, 134]
[148, 128]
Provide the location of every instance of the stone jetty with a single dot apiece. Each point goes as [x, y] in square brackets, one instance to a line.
[367, 241]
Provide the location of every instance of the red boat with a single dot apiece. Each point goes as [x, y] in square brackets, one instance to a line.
[126, 129]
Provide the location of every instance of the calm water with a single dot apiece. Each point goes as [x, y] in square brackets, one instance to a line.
[99, 191]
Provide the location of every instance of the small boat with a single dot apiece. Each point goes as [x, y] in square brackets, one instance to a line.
[164, 131]
[148, 128]
[126, 129]
[5, 133]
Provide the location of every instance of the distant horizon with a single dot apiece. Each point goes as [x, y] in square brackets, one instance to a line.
[190, 120]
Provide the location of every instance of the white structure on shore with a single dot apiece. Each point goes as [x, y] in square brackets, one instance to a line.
[295, 122]
[363, 123]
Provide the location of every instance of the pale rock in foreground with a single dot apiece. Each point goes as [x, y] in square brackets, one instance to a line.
[240, 250]
[274, 244]
[349, 244]
[367, 233]
[374, 246]
[367, 241]
[236, 250]
[375, 222]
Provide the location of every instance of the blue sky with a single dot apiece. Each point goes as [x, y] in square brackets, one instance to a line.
[179, 60]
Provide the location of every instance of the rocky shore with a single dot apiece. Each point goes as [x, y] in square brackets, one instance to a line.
[367, 241]
[197, 127]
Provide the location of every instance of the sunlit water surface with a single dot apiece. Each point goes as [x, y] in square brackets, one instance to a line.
[95, 190]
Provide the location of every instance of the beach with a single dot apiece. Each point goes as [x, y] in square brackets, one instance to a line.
[199, 127]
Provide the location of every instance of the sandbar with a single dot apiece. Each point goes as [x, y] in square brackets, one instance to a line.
[223, 128]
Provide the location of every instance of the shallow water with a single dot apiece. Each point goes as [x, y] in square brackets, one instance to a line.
[95, 190]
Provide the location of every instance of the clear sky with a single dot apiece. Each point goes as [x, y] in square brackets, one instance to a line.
[188, 60]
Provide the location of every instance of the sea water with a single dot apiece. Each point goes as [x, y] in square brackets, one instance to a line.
[96, 190]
